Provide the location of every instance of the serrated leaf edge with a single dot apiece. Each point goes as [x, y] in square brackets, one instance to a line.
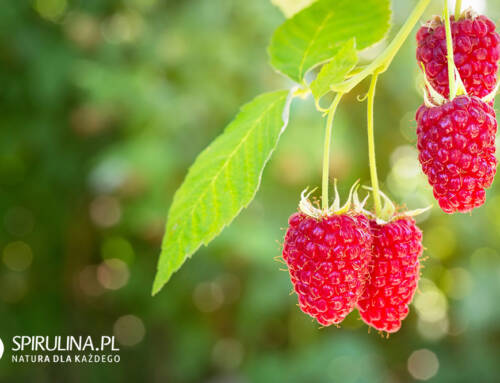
[158, 284]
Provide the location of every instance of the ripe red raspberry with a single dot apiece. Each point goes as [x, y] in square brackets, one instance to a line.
[456, 143]
[394, 274]
[328, 263]
[476, 51]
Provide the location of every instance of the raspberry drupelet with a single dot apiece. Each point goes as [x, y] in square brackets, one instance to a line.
[394, 274]
[456, 143]
[476, 51]
[328, 258]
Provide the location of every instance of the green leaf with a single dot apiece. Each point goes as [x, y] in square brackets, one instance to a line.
[335, 70]
[316, 33]
[291, 7]
[222, 181]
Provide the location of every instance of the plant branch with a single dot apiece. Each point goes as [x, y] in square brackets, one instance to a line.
[377, 66]
[449, 53]
[458, 8]
[382, 62]
[326, 151]
[371, 145]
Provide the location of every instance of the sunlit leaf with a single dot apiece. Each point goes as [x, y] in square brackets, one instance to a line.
[222, 181]
[315, 34]
[335, 70]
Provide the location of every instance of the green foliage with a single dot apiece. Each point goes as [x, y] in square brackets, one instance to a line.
[316, 34]
[335, 70]
[226, 176]
[91, 111]
[222, 181]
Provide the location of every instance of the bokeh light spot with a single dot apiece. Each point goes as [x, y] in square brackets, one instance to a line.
[113, 274]
[129, 330]
[105, 211]
[230, 286]
[50, 9]
[13, 287]
[430, 302]
[227, 354]
[434, 330]
[407, 181]
[423, 364]
[87, 280]
[88, 120]
[208, 296]
[457, 283]
[122, 27]
[172, 47]
[82, 29]
[119, 248]
[17, 256]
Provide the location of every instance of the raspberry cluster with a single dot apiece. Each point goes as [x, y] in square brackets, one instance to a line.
[339, 259]
[456, 134]
[328, 263]
[340, 262]
[456, 143]
[476, 51]
[394, 273]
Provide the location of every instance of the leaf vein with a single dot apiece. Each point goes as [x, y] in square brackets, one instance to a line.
[312, 41]
[229, 157]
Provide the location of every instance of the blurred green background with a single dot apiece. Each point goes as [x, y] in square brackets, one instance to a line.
[104, 105]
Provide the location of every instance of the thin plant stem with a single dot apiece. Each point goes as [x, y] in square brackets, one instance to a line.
[371, 145]
[382, 62]
[449, 53]
[377, 66]
[458, 8]
[326, 151]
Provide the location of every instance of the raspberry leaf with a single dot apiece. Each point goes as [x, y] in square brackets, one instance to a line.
[335, 70]
[317, 33]
[222, 181]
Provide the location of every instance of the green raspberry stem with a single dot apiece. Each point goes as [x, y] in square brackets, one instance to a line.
[377, 66]
[326, 151]
[371, 145]
[449, 53]
[458, 8]
[382, 62]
